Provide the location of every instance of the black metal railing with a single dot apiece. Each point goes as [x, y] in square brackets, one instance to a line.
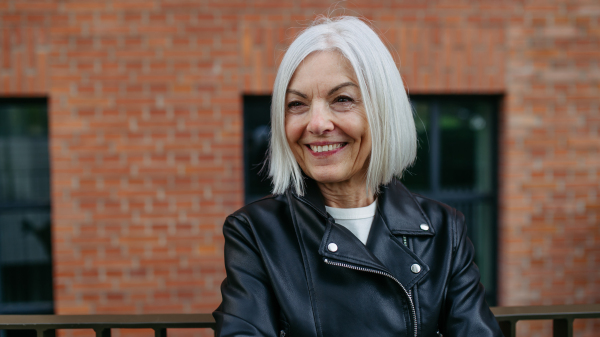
[46, 325]
[562, 317]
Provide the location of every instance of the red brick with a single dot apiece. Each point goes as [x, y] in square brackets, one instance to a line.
[134, 5]
[83, 6]
[32, 5]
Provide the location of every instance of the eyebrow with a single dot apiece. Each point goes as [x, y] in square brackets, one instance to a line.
[336, 88]
[340, 86]
[292, 91]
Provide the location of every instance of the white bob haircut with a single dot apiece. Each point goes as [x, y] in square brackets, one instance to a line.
[389, 114]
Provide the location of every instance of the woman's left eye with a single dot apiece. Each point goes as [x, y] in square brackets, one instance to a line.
[344, 99]
[342, 104]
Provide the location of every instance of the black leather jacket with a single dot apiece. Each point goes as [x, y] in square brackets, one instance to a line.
[415, 275]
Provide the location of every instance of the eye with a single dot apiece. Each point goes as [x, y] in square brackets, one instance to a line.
[294, 104]
[296, 107]
[344, 99]
[343, 103]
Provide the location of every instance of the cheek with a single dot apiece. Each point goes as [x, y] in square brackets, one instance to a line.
[363, 134]
[359, 130]
[292, 132]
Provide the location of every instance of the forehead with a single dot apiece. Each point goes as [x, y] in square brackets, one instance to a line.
[323, 67]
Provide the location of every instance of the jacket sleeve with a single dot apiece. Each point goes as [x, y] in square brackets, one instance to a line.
[249, 307]
[466, 312]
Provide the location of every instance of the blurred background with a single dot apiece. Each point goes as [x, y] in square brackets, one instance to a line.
[129, 130]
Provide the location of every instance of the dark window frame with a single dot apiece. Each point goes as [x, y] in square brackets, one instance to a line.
[7, 207]
[255, 175]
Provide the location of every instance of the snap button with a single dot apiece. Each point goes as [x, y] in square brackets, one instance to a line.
[332, 247]
[415, 268]
[424, 227]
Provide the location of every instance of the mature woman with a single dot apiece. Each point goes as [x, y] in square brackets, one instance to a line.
[342, 248]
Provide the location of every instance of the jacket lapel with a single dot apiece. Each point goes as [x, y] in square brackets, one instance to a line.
[393, 254]
[398, 214]
[401, 212]
[348, 248]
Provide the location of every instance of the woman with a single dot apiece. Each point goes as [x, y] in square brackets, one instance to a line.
[341, 248]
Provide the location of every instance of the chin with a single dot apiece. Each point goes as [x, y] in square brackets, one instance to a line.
[326, 177]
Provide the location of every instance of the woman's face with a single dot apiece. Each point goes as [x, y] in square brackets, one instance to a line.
[326, 124]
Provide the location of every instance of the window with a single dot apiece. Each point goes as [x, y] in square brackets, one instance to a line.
[25, 244]
[257, 128]
[456, 163]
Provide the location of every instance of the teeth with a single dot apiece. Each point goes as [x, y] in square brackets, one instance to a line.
[325, 148]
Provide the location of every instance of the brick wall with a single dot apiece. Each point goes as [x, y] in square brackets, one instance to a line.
[146, 144]
[551, 158]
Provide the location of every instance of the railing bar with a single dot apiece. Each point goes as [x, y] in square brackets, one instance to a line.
[95, 321]
[108, 324]
[541, 311]
[562, 327]
[548, 316]
[509, 328]
[102, 332]
[160, 332]
[46, 333]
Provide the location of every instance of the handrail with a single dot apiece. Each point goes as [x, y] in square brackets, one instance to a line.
[562, 317]
[46, 325]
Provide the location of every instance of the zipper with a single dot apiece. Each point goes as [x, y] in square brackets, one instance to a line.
[410, 291]
[375, 271]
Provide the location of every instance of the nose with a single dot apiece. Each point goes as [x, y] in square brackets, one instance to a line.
[320, 119]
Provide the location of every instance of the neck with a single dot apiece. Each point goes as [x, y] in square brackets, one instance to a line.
[347, 194]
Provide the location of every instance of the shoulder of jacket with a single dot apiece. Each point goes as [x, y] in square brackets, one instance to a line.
[431, 203]
[455, 219]
[260, 208]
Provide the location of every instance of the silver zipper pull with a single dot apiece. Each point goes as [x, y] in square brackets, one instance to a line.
[281, 333]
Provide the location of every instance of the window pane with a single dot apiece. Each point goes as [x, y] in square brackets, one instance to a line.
[466, 146]
[24, 159]
[256, 143]
[25, 252]
[417, 176]
[479, 218]
[23, 118]
[26, 256]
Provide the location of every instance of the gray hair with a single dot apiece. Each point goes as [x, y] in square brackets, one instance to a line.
[389, 114]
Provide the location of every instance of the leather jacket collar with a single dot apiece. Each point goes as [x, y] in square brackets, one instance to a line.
[399, 209]
[398, 214]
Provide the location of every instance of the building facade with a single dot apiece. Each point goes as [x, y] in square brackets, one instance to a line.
[146, 110]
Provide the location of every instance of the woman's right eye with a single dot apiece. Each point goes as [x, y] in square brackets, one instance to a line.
[296, 106]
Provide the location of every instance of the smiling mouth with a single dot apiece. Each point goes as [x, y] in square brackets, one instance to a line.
[325, 148]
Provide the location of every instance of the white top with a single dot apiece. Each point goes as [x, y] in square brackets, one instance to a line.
[356, 220]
